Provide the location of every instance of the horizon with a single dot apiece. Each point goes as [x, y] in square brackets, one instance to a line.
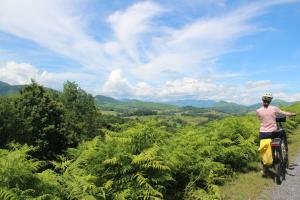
[170, 101]
[155, 50]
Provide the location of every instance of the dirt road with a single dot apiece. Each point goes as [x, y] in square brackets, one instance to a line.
[290, 188]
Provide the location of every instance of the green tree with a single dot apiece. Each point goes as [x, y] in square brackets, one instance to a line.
[81, 114]
[11, 125]
[44, 125]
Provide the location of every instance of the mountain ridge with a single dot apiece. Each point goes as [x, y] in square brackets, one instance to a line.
[7, 89]
[110, 102]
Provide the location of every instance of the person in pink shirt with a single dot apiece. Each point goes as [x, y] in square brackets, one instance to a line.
[267, 115]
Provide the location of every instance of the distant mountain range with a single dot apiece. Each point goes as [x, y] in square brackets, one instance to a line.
[224, 105]
[106, 100]
[221, 106]
[110, 103]
[194, 103]
[276, 102]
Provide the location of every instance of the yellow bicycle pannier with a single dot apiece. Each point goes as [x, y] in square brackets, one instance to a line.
[265, 150]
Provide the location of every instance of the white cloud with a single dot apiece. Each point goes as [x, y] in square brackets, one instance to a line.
[198, 45]
[21, 73]
[144, 89]
[53, 24]
[248, 93]
[287, 97]
[189, 87]
[117, 85]
[130, 23]
[258, 84]
[56, 80]
[17, 73]
[151, 51]
[141, 43]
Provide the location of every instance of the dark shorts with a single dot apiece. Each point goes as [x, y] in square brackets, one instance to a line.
[271, 135]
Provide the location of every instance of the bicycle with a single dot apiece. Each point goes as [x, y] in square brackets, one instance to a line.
[280, 151]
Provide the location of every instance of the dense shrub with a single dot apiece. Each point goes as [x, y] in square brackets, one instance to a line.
[116, 158]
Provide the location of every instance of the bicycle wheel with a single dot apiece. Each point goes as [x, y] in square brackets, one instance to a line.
[278, 166]
[278, 174]
[284, 156]
[284, 160]
[287, 164]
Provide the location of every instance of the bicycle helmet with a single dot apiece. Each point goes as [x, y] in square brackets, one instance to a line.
[267, 97]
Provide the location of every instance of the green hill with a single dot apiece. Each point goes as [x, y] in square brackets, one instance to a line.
[229, 107]
[194, 103]
[101, 99]
[224, 106]
[7, 89]
[108, 103]
[221, 106]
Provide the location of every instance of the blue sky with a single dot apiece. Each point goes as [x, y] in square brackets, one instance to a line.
[155, 50]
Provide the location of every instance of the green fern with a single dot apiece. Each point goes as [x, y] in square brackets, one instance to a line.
[6, 194]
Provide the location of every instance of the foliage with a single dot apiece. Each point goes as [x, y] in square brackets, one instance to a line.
[71, 151]
[43, 121]
[143, 112]
[10, 120]
[18, 175]
[81, 114]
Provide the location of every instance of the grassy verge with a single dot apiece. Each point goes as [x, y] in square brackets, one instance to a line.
[250, 185]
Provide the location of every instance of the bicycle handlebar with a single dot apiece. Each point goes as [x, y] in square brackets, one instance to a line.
[281, 119]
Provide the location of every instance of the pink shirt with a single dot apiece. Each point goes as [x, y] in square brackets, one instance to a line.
[267, 118]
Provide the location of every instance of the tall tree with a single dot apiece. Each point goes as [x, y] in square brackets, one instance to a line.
[11, 124]
[81, 114]
[44, 124]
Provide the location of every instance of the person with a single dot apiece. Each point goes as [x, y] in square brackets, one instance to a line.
[267, 115]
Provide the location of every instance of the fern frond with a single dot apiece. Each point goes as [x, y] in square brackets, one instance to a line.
[6, 194]
[111, 161]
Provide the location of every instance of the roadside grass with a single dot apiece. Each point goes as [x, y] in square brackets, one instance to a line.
[250, 185]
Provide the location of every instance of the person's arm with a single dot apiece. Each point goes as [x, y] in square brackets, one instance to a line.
[281, 112]
[257, 114]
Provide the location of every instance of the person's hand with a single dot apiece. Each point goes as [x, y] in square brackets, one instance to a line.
[293, 114]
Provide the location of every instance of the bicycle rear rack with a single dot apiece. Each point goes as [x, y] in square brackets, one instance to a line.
[276, 142]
